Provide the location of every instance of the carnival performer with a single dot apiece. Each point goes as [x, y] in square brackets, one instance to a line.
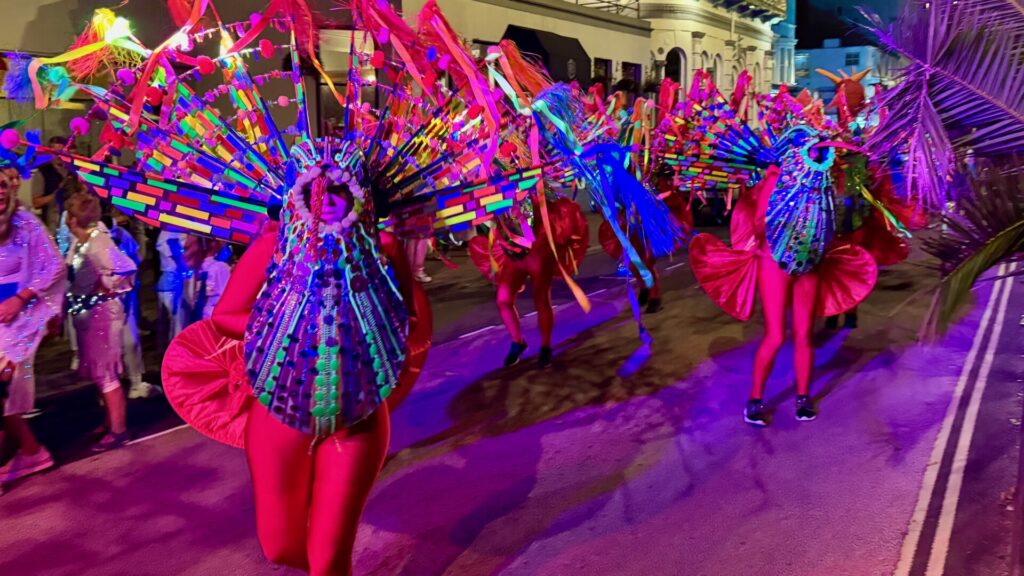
[100, 276]
[509, 260]
[317, 335]
[31, 295]
[782, 246]
[555, 128]
[324, 347]
[869, 213]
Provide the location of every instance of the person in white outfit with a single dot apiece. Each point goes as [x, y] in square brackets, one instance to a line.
[133, 363]
[32, 281]
[100, 277]
[174, 271]
[207, 258]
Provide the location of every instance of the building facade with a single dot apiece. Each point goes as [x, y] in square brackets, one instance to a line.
[639, 40]
[723, 37]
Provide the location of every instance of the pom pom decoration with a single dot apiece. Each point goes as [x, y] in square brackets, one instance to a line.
[205, 65]
[266, 48]
[126, 77]
[377, 60]
[154, 96]
[283, 101]
[9, 139]
[79, 126]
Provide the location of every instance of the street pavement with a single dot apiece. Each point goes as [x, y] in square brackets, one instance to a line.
[623, 458]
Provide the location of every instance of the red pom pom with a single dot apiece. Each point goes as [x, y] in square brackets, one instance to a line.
[474, 111]
[205, 65]
[154, 96]
[429, 78]
[266, 48]
[377, 61]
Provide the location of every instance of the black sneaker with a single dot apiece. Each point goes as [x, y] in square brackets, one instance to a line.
[851, 322]
[805, 411]
[755, 413]
[544, 360]
[654, 305]
[111, 441]
[644, 296]
[832, 322]
[514, 352]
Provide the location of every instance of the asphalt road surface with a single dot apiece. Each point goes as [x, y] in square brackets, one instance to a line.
[622, 459]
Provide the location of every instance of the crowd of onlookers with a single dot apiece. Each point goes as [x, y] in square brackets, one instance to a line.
[70, 267]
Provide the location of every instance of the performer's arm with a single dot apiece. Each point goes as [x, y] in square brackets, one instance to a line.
[231, 314]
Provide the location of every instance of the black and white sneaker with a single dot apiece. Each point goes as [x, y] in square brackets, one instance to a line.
[805, 411]
[514, 352]
[755, 413]
[654, 305]
[832, 322]
[850, 323]
[544, 359]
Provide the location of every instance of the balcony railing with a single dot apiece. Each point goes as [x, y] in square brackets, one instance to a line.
[628, 8]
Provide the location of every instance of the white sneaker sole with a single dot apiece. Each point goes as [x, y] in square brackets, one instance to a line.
[22, 472]
[758, 423]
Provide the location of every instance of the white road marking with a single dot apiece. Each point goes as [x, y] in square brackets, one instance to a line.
[158, 434]
[475, 332]
[941, 440]
[944, 530]
[674, 266]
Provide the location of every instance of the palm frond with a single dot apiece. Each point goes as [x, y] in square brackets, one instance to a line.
[986, 231]
[962, 89]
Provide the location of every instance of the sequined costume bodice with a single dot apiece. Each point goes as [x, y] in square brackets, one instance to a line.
[326, 338]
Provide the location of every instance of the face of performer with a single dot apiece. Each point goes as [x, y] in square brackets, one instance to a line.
[337, 203]
[10, 180]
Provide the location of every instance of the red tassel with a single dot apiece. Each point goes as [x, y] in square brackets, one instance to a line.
[180, 11]
[530, 75]
[82, 68]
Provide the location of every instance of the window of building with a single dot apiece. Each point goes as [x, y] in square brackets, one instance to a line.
[802, 65]
[631, 71]
[853, 58]
[603, 69]
[675, 66]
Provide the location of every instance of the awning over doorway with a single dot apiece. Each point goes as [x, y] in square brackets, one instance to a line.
[564, 57]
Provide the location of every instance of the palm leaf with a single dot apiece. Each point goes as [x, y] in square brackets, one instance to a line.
[962, 88]
[989, 230]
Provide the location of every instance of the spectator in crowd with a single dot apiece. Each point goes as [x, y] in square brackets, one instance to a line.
[32, 279]
[133, 362]
[52, 185]
[64, 240]
[174, 271]
[100, 276]
[209, 259]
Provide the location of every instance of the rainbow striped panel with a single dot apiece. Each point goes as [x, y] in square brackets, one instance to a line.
[462, 207]
[172, 204]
